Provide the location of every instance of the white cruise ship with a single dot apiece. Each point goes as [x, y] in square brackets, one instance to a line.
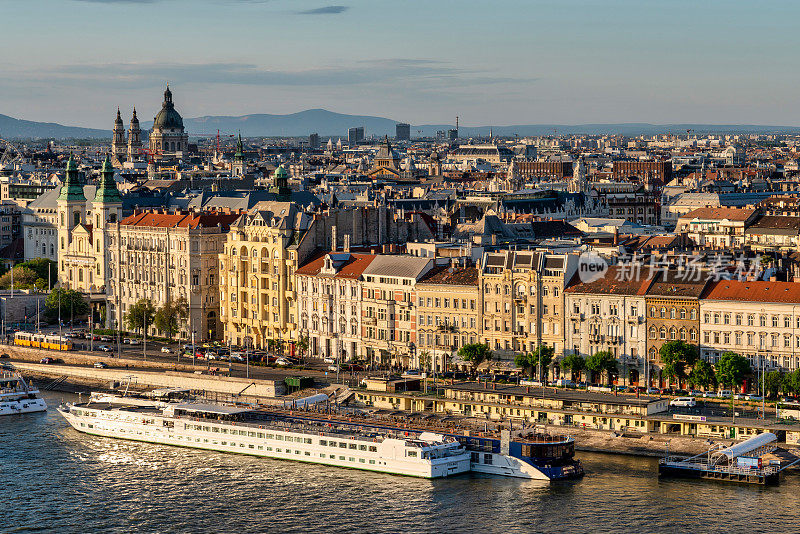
[16, 395]
[274, 435]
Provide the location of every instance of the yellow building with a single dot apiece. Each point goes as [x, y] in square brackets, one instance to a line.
[257, 266]
[448, 315]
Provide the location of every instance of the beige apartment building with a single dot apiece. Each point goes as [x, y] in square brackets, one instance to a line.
[523, 300]
[389, 331]
[329, 298]
[448, 314]
[166, 257]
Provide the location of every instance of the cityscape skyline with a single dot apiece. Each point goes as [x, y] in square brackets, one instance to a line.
[424, 64]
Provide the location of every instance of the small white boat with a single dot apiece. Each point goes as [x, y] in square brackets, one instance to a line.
[16, 395]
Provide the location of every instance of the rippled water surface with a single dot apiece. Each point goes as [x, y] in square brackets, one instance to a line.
[54, 479]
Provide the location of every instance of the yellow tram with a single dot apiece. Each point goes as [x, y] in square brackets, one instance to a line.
[42, 341]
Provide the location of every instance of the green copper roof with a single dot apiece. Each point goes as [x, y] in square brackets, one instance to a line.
[72, 188]
[107, 190]
[239, 155]
[281, 184]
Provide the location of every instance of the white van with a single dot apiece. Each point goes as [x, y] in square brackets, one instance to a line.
[686, 402]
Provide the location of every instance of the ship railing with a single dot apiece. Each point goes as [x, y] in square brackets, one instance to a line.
[678, 461]
[333, 432]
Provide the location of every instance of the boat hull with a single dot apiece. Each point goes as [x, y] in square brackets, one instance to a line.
[254, 446]
[14, 407]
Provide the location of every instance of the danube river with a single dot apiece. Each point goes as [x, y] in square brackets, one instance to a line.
[55, 479]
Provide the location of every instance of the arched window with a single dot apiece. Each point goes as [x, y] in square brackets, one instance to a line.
[653, 311]
[663, 312]
[693, 334]
[662, 333]
[652, 332]
[673, 313]
[683, 313]
[694, 314]
[683, 334]
[673, 333]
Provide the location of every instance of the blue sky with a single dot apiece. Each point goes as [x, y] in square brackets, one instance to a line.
[490, 62]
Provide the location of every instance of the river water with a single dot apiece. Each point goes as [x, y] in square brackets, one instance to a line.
[54, 479]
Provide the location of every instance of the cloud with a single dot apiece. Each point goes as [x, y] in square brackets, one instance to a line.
[387, 76]
[326, 10]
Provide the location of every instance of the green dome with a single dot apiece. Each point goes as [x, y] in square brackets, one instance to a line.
[168, 117]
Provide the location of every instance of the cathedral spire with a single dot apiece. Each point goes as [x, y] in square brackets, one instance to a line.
[72, 188]
[107, 189]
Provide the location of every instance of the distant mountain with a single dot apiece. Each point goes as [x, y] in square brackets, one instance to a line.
[331, 124]
[324, 122]
[11, 128]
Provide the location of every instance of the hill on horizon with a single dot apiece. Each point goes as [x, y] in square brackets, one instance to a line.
[331, 124]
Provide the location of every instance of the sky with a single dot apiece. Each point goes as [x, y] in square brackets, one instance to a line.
[491, 62]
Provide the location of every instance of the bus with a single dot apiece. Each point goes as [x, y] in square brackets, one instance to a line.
[42, 341]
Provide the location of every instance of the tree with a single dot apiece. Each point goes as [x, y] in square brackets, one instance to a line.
[773, 383]
[539, 359]
[475, 353]
[791, 382]
[31, 273]
[169, 317]
[72, 303]
[302, 345]
[702, 375]
[574, 363]
[732, 368]
[676, 357]
[602, 361]
[425, 360]
[140, 315]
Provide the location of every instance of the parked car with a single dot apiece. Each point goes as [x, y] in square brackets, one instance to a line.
[105, 348]
[126, 341]
[754, 397]
[411, 373]
[332, 368]
[653, 391]
[47, 360]
[107, 339]
[683, 402]
[100, 365]
[725, 393]
[211, 355]
[165, 350]
[134, 341]
[238, 357]
[709, 394]
[283, 362]
[696, 393]
[328, 359]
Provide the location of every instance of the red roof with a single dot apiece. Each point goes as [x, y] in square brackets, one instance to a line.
[755, 291]
[180, 220]
[353, 268]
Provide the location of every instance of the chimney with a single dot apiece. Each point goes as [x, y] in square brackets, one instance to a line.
[347, 242]
[333, 238]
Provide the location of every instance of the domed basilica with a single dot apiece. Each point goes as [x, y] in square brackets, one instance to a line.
[168, 138]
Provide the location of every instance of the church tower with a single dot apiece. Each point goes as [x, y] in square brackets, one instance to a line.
[71, 212]
[118, 147]
[106, 210]
[237, 167]
[281, 185]
[134, 139]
